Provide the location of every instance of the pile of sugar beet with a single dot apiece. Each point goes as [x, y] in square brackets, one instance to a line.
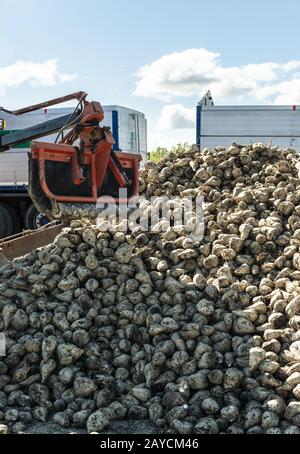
[193, 336]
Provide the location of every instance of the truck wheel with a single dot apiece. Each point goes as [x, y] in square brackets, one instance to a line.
[34, 219]
[14, 216]
[6, 222]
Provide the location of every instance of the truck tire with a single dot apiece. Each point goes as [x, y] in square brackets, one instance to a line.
[15, 217]
[34, 219]
[6, 222]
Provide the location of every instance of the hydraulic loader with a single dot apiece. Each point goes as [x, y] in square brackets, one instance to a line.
[67, 178]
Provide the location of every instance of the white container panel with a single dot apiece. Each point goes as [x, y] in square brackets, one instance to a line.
[222, 126]
[107, 119]
[212, 142]
[14, 167]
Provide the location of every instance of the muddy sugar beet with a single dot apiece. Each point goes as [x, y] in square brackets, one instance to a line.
[194, 336]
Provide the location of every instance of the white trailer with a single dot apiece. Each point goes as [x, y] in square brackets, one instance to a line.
[129, 128]
[223, 125]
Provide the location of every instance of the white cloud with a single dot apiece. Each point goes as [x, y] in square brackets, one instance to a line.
[176, 116]
[46, 73]
[176, 124]
[172, 137]
[194, 71]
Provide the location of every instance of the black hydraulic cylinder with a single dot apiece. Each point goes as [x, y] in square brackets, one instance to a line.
[35, 132]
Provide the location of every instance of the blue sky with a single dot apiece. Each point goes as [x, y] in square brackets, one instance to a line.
[158, 57]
